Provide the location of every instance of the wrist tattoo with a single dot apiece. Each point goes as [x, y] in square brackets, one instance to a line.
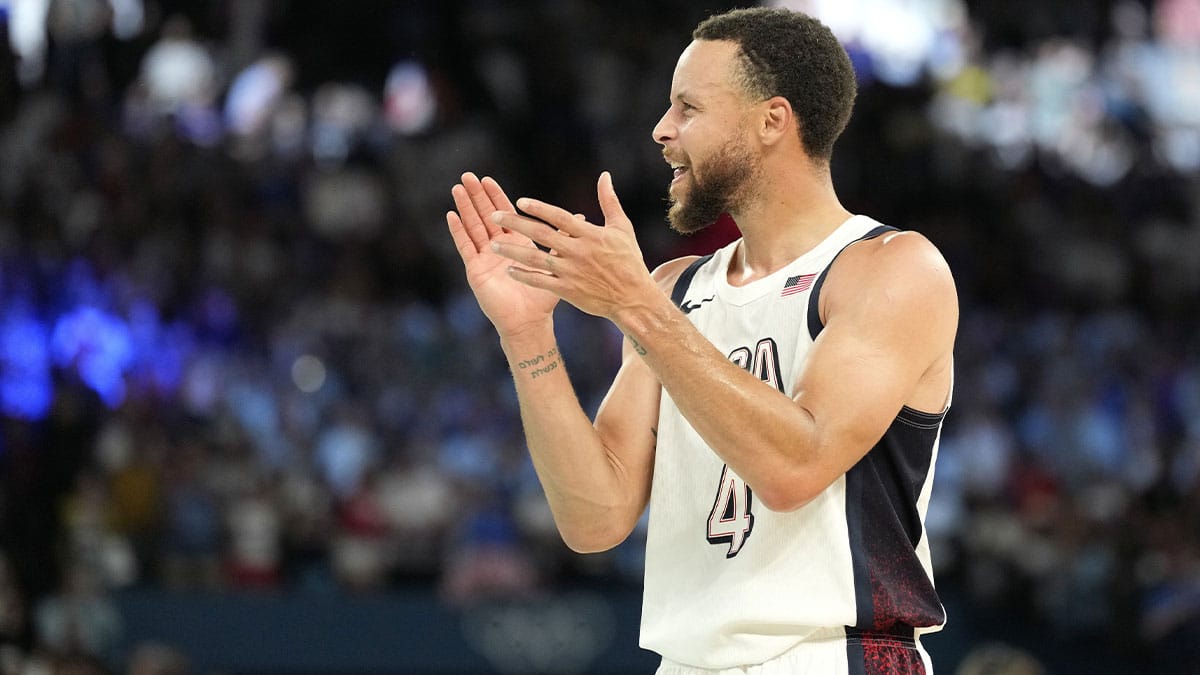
[637, 347]
[541, 364]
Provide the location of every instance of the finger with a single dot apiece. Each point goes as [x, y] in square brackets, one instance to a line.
[529, 257]
[536, 279]
[481, 201]
[614, 214]
[496, 194]
[462, 241]
[560, 218]
[472, 223]
[536, 230]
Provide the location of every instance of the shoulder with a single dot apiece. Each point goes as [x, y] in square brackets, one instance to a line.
[907, 253]
[900, 269]
[666, 274]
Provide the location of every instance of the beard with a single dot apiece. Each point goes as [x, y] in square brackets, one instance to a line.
[728, 178]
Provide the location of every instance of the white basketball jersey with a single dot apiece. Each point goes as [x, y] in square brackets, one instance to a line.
[730, 583]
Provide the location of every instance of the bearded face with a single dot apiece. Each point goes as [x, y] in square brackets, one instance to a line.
[719, 184]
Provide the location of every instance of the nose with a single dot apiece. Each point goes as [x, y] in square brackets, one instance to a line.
[665, 130]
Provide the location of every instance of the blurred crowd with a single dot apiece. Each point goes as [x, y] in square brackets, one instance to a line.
[237, 352]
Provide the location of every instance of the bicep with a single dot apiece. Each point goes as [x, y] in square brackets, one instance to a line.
[877, 350]
[852, 387]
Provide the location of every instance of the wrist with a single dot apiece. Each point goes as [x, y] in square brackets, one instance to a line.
[535, 335]
[639, 321]
[532, 353]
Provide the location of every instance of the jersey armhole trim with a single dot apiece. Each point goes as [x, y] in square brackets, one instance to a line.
[685, 280]
[815, 325]
[920, 419]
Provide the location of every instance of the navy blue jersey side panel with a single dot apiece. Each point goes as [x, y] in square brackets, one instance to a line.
[893, 592]
[882, 654]
[862, 576]
[814, 313]
[685, 280]
[907, 464]
[855, 659]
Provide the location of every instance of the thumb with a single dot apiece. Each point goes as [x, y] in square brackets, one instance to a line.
[609, 204]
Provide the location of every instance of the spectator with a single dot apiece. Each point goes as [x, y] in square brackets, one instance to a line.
[80, 620]
[183, 439]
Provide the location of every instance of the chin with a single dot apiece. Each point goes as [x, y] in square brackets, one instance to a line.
[673, 212]
[677, 200]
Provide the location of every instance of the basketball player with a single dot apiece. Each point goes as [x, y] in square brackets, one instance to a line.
[779, 403]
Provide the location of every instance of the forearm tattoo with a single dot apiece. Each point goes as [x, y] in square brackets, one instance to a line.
[637, 347]
[541, 364]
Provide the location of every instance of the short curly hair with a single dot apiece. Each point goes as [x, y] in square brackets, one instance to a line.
[793, 55]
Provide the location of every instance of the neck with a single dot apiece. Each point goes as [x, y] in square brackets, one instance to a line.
[788, 216]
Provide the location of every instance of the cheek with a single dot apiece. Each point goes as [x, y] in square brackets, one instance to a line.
[699, 158]
[693, 136]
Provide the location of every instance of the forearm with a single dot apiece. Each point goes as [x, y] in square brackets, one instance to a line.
[587, 494]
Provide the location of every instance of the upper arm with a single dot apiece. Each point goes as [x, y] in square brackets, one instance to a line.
[891, 312]
[627, 420]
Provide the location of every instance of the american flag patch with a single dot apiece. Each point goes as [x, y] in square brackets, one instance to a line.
[797, 284]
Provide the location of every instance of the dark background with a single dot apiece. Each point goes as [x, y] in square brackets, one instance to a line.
[254, 422]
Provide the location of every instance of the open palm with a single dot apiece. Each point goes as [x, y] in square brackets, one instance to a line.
[509, 304]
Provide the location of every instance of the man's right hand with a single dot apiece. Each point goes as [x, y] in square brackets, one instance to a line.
[511, 306]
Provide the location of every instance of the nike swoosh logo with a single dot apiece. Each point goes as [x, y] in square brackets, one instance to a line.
[688, 307]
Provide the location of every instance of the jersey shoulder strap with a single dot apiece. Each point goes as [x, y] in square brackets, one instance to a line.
[685, 280]
[815, 325]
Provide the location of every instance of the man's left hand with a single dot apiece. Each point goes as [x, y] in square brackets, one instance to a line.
[600, 270]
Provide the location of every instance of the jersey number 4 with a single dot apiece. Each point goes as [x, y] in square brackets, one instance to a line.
[731, 520]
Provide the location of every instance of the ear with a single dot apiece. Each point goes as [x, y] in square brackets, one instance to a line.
[778, 121]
